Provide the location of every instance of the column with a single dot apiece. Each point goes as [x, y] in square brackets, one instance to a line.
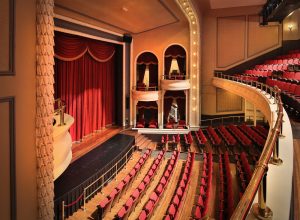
[187, 112]
[134, 112]
[161, 126]
[254, 115]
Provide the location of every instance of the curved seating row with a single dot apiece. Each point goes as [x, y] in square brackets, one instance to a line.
[226, 191]
[213, 136]
[155, 196]
[242, 138]
[139, 192]
[263, 73]
[284, 61]
[228, 138]
[253, 135]
[106, 204]
[188, 139]
[246, 166]
[182, 188]
[272, 67]
[243, 172]
[261, 130]
[203, 201]
[200, 137]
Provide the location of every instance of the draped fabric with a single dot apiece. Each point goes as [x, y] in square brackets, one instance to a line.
[177, 52]
[150, 60]
[153, 69]
[85, 76]
[168, 99]
[147, 110]
[141, 72]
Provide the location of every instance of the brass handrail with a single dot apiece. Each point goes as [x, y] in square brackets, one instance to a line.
[261, 167]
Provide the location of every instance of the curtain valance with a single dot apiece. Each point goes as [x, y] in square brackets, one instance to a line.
[70, 47]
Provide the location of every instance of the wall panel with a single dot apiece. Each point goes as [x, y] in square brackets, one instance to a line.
[261, 38]
[227, 101]
[6, 37]
[231, 38]
[7, 158]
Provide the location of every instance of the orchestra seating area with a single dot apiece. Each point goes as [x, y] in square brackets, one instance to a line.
[283, 72]
[184, 180]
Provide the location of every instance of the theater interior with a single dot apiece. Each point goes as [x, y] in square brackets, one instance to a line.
[150, 109]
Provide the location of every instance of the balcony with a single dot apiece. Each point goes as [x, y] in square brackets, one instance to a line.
[175, 82]
[143, 93]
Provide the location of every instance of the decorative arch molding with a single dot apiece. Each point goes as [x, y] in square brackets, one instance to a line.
[44, 108]
[194, 62]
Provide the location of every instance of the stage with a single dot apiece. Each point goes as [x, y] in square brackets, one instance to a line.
[109, 156]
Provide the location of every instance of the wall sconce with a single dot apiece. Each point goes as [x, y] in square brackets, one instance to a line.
[290, 27]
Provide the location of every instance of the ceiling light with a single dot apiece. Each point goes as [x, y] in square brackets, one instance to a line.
[124, 8]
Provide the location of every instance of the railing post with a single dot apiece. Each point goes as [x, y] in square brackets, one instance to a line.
[63, 210]
[260, 209]
[275, 159]
[84, 195]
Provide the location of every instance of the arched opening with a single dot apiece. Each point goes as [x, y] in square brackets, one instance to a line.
[175, 62]
[147, 72]
[147, 114]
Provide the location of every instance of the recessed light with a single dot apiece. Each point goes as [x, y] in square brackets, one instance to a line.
[124, 8]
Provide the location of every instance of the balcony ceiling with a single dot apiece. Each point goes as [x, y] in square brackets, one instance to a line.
[126, 16]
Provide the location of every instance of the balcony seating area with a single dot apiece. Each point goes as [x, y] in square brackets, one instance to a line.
[139, 192]
[227, 137]
[153, 124]
[290, 94]
[157, 194]
[188, 139]
[172, 125]
[140, 123]
[202, 206]
[182, 188]
[240, 136]
[106, 204]
[213, 136]
[255, 137]
[226, 202]
[200, 138]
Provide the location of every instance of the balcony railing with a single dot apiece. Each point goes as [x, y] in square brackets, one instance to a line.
[144, 88]
[258, 180]
[175, 77]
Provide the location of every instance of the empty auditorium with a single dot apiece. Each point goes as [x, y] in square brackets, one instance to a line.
[150, 109]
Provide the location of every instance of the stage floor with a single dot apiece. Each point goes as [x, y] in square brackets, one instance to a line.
[91, 163]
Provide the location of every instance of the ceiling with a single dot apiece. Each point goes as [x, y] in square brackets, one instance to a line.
[216, 4]
[129, 16]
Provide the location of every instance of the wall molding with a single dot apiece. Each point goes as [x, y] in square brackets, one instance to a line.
[12, 160]
[11, 32]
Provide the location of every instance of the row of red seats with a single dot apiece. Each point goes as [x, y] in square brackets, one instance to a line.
[241, 175]
[290, 93]
[165, 138]
[200, 137]
[290, 56]
[141, 124]
[188, 139]
[155, 196]
[213, 136]
[291, 61]
[258, 73]
[180, 194]
[139, 192]
[291, 75]
[272, 67]
[253, 135]
[261, 130]
[243, 139]
[226, 205]
[202, 205]
[106, 204]
[227, 137]
[247, 78]
[246, 166]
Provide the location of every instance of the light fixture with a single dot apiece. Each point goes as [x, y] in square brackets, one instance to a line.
[146, 76]
[290, 27]
[174, 69]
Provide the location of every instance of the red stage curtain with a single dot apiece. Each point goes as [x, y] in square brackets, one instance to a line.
[85, 75]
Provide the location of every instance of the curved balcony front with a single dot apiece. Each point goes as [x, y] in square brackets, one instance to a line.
[175, 83]
[146, 94]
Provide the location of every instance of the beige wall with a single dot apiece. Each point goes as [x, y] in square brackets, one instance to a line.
[294, 21]
[4, 39]
[22, 87]
[230, 37]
